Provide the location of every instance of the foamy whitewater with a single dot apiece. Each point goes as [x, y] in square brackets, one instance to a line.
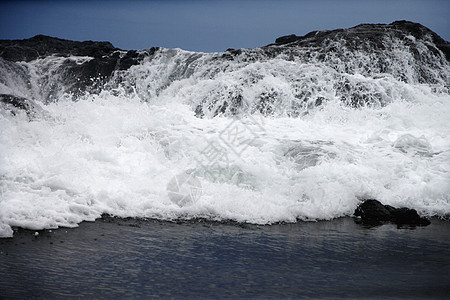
[281, 159]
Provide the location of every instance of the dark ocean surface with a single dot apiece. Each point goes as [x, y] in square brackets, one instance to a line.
[128, 258]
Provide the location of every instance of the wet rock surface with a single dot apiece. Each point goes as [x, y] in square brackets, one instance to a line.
[15, 104]
[373, 212]
[41, 46]
[371, 50]
[103, 59]
[368, 36]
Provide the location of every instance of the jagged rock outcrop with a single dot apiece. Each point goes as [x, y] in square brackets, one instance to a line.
[102, 59]
[368, 36]
[41, 46]
[422, 47]
[406, 51]
[353, 65]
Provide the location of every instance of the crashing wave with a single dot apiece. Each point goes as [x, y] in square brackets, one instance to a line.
[297, 130]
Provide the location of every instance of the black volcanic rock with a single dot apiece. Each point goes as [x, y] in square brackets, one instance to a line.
[366, 35]
[42, 46]
[407, 51]
[46, 68]
[420, 32]
[407, 216]
[377, 41]
[76, 78]
[373, 212]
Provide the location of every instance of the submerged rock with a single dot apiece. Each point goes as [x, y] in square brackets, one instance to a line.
[14, 104]
[373, 212]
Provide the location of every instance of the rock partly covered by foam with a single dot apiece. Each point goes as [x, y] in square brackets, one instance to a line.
[408, 52]
[77, 76]
[14, 104]
[421, 50]
[373, 212]
[369, 36]
[42, 46]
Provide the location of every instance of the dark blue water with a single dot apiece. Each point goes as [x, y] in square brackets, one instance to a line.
[131, 258]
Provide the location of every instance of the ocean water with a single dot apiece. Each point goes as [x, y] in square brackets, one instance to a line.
[185, 135]
[130, 258]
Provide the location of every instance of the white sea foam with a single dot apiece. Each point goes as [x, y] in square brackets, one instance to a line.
[114, 153]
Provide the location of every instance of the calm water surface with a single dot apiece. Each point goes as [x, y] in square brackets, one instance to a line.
[133, 258]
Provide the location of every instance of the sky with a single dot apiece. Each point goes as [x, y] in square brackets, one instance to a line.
[207, 26]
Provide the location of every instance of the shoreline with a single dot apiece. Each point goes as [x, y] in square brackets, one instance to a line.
[136, 222]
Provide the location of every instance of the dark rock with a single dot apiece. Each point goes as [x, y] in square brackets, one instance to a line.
[407, 216]
[230, 53]
[419, 32]
[42, 46]
[91, 75]
[336, 49]
[366, 35]
[373, 40]
[373, 212]
[286, 39]
[15, 103]
[341, 50]
[76, 78]
[130, 59]
[391, 209]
